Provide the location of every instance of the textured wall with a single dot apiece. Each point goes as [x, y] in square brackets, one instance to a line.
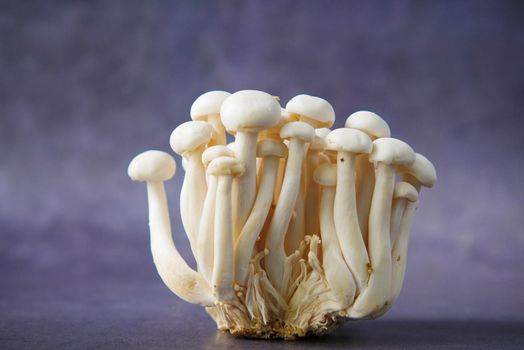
[84, 86]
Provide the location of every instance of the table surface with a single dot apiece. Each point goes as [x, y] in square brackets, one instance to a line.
[111, 314]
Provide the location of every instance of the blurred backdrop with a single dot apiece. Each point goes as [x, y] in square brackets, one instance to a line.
[86, 85]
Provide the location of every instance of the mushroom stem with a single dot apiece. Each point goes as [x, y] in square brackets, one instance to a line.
[245, 186]
[397, 211]
[338, 276]
[255, 222]
[376, 295]
[400, 250]
[365, 184]
[206, 231]
[192, 196]
[174, 271]
[346, 220]
[275, 262]
[296, 235]
[312, 195]
[223, 266]
[219, 132]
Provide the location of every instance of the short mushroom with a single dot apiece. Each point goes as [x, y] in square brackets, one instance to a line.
[421, 173]
[299, 134]
[270, 151]
[155, 167]
[189, 140]
[348, 143]
[387, 153]
[205, 239]
[207, 108]
[338, 275]
[375, 127]
[247, 112]
[225, 168]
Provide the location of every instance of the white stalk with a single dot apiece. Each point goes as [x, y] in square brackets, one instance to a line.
[400, 250]
[219, 132]
[346, 220]
[365, 185]
[245, 186]
[255, 222]
[192, 196]
[174, 271]
[397, 210]
[206, 231]
[296, 235]
[337, 273]
[223, 266]
[312, 196]
[376, 295]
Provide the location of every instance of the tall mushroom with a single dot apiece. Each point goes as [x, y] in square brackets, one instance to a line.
[348, 143]
[386, 153]
[407, 193]
[225, 168]
[270, 151]
[338, 276]
[155, 167]
[299, 135]
[375, 127]
[189, 140]
[318, 113]
[206, 230]
[207, 108]
[313, 159]
[246, 113]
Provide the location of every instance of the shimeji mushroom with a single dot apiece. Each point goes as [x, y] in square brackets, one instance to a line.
[189, 140]
[246, 113]
[270, 151]
[318, 113]
[206, 231]
[299, 134]
[338, 276]
[407, 193]
[225, 168]
[348, 143]
[155, 167]
[375, 127]
[207, 108]
[386, 153]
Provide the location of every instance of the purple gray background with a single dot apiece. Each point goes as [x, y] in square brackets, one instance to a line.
[85, 86]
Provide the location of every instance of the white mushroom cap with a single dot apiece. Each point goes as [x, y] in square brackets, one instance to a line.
[214, 152]
[225, 166]
[392, 151]
[370, 123]
[271, 148]
[405, 190]
[152, 166]
[208, 103]
[422, 169]
[250, 111]
[318, 110]
[190, 135]
[299, 130]
[326, 174]
[348, 140]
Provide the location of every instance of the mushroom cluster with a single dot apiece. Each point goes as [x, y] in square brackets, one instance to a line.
[294, 227]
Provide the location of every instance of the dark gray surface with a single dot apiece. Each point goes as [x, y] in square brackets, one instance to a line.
[86, 85]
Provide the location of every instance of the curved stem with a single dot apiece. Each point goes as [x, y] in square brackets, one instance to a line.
[206, 231]
[257, 217]
[337, 273]
[346, 220]
[174, 271]
[223, 266]
[275, 261]
[218, 128]
[296, 234]
[397, 211]
[375, 296]
[400, 250]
